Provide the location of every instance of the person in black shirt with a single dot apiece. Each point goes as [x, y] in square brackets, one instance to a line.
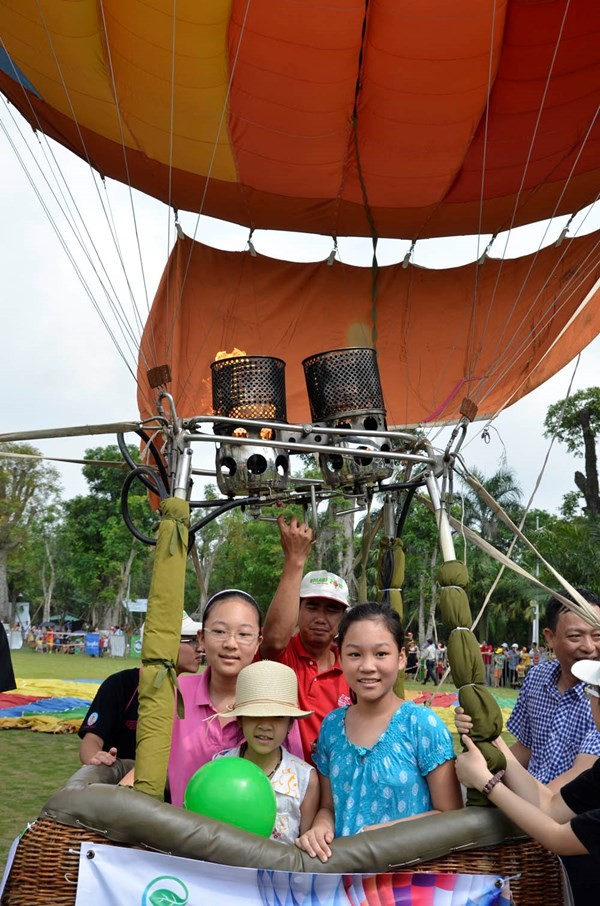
[109, 727]
[7, 676]
[566, 822]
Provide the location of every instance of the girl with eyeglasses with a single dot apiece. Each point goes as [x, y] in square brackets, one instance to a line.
[230, 637]
[566, 822]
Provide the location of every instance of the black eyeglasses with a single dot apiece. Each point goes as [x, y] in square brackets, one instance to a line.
[188, 640]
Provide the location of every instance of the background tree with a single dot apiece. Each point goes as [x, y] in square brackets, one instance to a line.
[575, 422]
[510, 598]
[27, 487]
[102, 556]
[208, 540]
[506, 491]
[571, 546]
[421, 546]
[249, 556]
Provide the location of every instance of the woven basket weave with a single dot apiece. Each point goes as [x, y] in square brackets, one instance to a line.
[46, 866]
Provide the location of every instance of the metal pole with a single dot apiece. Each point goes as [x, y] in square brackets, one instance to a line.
[445, 532]
[536, 625]
[536, 619]
[184, 470]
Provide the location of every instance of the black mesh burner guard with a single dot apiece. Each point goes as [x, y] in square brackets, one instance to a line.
[249, 387]
[343, 382]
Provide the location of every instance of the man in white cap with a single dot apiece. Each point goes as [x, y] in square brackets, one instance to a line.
[314, 605]
[514, 656]
[108, 729]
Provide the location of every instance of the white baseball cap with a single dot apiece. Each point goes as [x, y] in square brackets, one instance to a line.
[188, 626]
[321, 584]
[587, 671]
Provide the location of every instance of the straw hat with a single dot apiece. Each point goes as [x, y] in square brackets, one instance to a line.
[266, 689]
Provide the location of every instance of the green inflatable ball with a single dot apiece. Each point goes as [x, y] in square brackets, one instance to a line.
[235, 791]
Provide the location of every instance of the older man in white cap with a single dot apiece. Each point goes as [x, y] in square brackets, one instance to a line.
[314, 605]
[108, 729]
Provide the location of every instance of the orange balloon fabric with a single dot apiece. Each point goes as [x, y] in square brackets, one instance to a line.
[492, 332]
[395, 118]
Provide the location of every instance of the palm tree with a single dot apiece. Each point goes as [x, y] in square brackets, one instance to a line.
[504, 488]
[506, 491]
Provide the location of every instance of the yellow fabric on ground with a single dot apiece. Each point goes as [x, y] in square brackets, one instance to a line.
[55, 688]
[40, 723]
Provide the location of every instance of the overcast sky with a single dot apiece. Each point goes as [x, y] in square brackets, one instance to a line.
[61, 367]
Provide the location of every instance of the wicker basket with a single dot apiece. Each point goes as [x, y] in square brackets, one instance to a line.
[46, 865]
[537, 876]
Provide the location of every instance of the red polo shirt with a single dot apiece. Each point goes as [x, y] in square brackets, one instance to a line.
[318, 692]
[486, 653]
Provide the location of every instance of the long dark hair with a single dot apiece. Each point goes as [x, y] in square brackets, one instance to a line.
[229, 594]
[372, 611]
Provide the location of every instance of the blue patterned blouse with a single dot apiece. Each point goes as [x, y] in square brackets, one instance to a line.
[387, 781]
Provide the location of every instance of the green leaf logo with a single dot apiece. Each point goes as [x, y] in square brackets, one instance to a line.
[165, 891]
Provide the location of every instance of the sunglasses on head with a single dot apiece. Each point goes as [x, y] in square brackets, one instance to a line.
[592, 691]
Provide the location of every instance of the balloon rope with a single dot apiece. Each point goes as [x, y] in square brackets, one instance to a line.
[126, 166]
[64, 206]
[490, 305]
[554, 306]
[208, 178]
[62, 240]
[374, 235]
[529, 502]
[471, 345]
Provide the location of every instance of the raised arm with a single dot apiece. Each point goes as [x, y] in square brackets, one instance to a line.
[282, 616]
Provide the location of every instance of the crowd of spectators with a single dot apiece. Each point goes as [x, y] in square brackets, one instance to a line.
[509, 665]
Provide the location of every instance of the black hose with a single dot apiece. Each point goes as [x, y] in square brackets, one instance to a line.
[229, 505]
[155, 485]
[405, 508]
[150, 485]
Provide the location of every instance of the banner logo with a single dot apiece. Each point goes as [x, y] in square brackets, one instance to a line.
[165, 890]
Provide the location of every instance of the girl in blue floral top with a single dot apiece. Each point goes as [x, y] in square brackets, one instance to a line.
[381, 759]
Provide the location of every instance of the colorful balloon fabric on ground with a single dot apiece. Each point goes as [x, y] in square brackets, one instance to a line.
[233, 790]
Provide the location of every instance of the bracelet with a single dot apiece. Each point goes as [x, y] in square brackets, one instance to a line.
[492, 782]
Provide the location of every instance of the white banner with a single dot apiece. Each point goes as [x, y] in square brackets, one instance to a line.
[16, 639]
[116, 876]
[9, 862]
[117, 645]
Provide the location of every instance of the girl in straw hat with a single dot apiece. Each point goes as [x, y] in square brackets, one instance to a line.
[266, 704]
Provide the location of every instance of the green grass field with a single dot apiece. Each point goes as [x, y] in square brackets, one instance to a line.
[33, 766]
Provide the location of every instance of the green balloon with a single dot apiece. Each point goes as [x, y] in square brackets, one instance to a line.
[233, 790]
